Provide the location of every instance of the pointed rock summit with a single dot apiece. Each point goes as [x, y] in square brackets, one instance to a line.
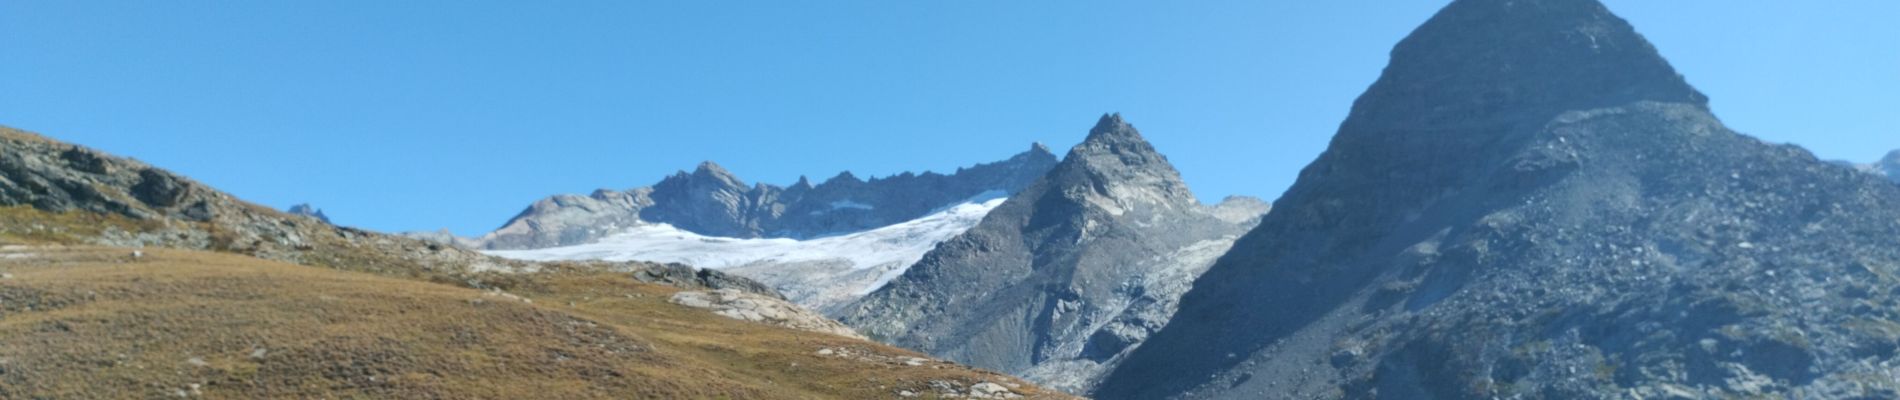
[711, 172]
[308, 210]
[1482, 59]
[1530, 203]
[1063, 278]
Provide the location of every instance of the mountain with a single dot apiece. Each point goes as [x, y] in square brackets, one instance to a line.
[1065, 276]
[1531, 203]
[119, 279]
[819, 273]
[308, 210]
[712, 201]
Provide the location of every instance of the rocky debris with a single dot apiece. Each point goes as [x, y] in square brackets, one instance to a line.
[869, 355]
[987, 390]
[443, 237]
[1531, 203]
[1243, 210]
[745, 306]
[712, 201]
[136, 205]
[1066, 276]
[497, 293]
[680, 275]
[307, 210]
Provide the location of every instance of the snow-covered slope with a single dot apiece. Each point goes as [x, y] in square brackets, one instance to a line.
[817, 273]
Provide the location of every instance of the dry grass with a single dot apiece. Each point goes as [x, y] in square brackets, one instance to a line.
[81, 322]
[25, 224]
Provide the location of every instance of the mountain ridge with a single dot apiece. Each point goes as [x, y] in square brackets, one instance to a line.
[712, 201]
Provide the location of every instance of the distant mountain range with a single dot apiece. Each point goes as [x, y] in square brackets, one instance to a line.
[712, 201]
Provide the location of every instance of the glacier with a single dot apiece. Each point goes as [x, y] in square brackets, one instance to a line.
[819, 273]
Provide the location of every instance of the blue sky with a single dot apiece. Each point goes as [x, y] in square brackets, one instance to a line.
[419, 115]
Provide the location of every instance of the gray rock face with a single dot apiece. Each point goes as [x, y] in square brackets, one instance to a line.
[569, 219]
[685, 276]
[1530, 203]
[711, 201]
[736, 304]
[1065, 277]
[308, 210]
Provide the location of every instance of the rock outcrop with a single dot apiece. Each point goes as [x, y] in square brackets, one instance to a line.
[1531, 203]
[712, 201]
[1066, 276]
[735, 304]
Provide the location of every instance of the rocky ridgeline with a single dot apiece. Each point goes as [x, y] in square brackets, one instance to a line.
[308, 210]
[1531, 203]
[44, 182]
[1066, 276]
[712, 201]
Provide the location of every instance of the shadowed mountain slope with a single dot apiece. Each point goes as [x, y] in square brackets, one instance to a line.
[1531, 203]
[1066, 276]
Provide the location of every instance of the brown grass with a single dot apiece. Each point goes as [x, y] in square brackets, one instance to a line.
[25, 224]
[93, 323]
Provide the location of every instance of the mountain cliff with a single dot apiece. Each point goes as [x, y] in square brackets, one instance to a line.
[1531, 203]
[1065, 276]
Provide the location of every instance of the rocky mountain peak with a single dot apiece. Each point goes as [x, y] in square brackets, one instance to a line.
[1111, 127]
[1121, 169]
[845, 177]
[308, 210]
[708, 171]
[1526, 190]
[1066, 276]
[1038, 149]
[1481, 59]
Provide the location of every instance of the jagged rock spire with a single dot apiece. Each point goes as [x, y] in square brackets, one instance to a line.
[1117, 163]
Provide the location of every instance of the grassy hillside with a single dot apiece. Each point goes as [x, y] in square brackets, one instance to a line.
[92, 322]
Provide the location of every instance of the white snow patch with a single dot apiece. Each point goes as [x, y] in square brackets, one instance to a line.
[895, 247]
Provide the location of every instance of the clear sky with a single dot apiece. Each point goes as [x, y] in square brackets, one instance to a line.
[418, 115]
